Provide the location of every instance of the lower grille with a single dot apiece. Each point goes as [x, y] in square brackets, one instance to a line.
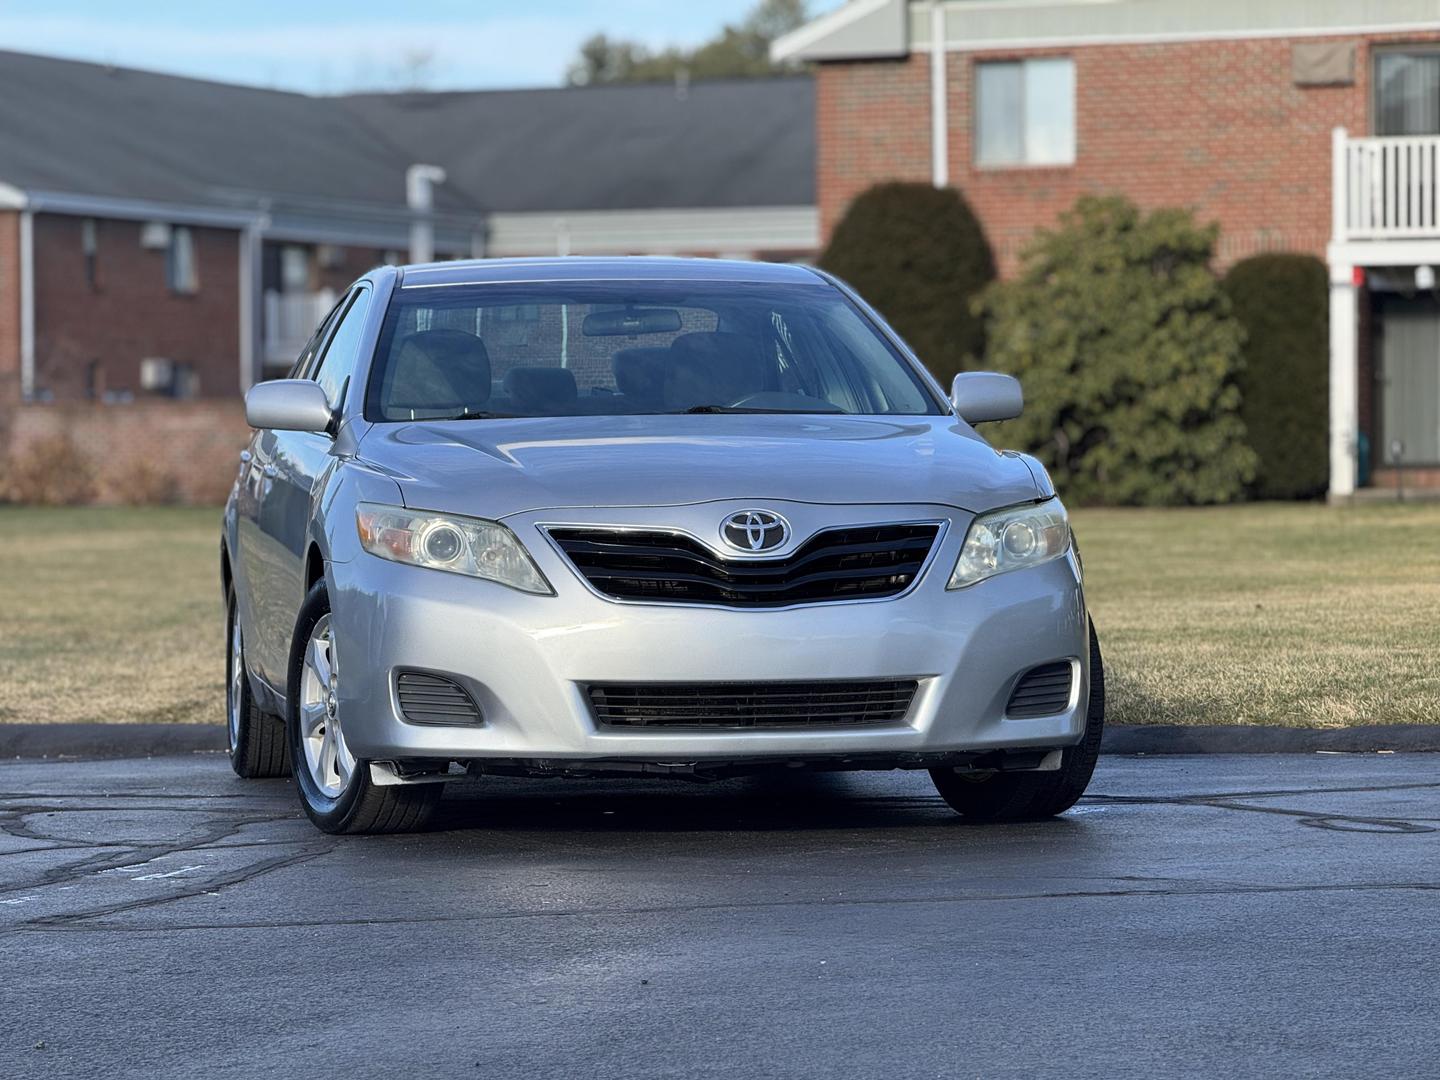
[852, 563]
[431, 699]
[1041, 691]
[849, 703]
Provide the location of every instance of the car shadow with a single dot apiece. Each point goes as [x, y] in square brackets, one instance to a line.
[764, 803]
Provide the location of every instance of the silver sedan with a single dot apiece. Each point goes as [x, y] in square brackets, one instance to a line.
[671, 517]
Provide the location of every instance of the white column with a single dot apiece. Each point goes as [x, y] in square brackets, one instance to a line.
[250, 326]
[939, 119]
[27, 305]
[420, 181]
[1344, 382]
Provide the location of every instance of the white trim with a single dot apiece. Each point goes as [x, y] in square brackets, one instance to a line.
[654, 232]
[789, 46]
[939, 119]
[27, 305]
[1384, 253]
[839, 36]
[12, 197]
[1078, 41]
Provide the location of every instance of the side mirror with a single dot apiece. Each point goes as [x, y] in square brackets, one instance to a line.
[288, 405]
[980, 396]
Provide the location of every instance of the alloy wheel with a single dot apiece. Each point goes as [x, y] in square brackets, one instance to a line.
[327, 759]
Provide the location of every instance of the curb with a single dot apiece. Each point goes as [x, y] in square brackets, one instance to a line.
[109, 740]
[97, 741]
[1137, 739]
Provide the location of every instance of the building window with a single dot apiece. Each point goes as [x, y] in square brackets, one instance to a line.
[1407, 92]
[1025, 112]
[89, 244]
[180, 272]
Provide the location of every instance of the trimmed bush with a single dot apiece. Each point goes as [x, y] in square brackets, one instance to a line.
[918, 254]
[1128, 352]
[1283, 302]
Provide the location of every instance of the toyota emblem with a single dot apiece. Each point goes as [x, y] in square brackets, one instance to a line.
[755, 530]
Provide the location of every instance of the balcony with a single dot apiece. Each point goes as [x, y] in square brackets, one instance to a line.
[289, 320]
[1386, 188]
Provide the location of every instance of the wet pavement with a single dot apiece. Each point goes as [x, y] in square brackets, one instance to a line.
[1248, 915]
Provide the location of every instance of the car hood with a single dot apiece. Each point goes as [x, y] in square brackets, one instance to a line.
[495, 468]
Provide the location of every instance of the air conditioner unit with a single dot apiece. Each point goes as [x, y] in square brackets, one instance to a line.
[155, 236]
[157, 374]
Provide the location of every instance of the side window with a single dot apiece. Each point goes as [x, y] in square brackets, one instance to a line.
[306, 358]
[338, 363]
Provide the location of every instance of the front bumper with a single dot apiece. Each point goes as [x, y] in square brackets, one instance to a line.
[528, 660]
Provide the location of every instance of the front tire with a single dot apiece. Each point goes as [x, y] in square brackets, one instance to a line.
[255, 738]
[335, 786]
[1032, 796]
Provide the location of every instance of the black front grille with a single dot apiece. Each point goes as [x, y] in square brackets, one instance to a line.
[431, 699]
[1041, 691]
[847, 703]
[859, 562]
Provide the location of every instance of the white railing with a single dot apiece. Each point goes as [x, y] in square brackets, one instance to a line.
[290, 319]
[1386, 188]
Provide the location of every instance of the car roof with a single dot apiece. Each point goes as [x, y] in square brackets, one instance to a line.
[627, 268]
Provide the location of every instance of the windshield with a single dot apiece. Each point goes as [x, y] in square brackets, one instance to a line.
[634, 347]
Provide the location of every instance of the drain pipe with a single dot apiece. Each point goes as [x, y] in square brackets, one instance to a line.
[420, 181]
[27, 305]
[939, 112]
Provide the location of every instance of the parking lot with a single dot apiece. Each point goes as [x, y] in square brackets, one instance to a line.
[1213, 915]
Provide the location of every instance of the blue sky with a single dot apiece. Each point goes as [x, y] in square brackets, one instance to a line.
[328, 46]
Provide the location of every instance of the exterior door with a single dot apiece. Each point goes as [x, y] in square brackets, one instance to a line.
[258, 560]
[299, 461]
[1409, 382]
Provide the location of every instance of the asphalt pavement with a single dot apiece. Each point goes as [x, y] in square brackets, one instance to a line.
[1201, 916]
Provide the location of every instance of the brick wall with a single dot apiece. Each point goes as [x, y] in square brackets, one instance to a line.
[130, 312]
[137, 450]
[1216, 126]
[872, 123]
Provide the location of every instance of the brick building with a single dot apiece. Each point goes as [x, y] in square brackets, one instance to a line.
[165, 241]
[1297, 125]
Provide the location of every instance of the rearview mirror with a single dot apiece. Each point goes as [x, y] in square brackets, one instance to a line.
[631, 322]
[981, 396]
[288, 405]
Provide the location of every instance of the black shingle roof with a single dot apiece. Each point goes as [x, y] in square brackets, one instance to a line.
[742, 142]
[81, 128]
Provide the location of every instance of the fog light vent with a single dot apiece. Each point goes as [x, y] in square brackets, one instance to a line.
[1041, 691]
[432, 699]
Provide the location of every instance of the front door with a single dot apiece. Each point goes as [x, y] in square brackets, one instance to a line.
[1408, 382]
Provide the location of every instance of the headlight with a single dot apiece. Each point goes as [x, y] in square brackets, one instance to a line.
[461, 545]
[1012, 539]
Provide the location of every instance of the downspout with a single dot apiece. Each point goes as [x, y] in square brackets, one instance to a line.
[250, 329]
[27, 305]
[939, 118]
[420, 181]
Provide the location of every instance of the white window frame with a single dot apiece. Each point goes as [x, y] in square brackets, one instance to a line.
[1027, 159]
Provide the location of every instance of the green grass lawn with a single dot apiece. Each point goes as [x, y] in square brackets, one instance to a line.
[1267, 614]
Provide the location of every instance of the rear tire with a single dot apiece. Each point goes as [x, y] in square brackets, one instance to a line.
[256, 739]
[1032, 796]
[335, 787]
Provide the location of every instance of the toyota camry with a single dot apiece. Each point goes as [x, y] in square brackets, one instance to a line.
[606, 517]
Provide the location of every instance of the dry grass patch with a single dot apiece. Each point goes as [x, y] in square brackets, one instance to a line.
[111, 615]
[1271, 614]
